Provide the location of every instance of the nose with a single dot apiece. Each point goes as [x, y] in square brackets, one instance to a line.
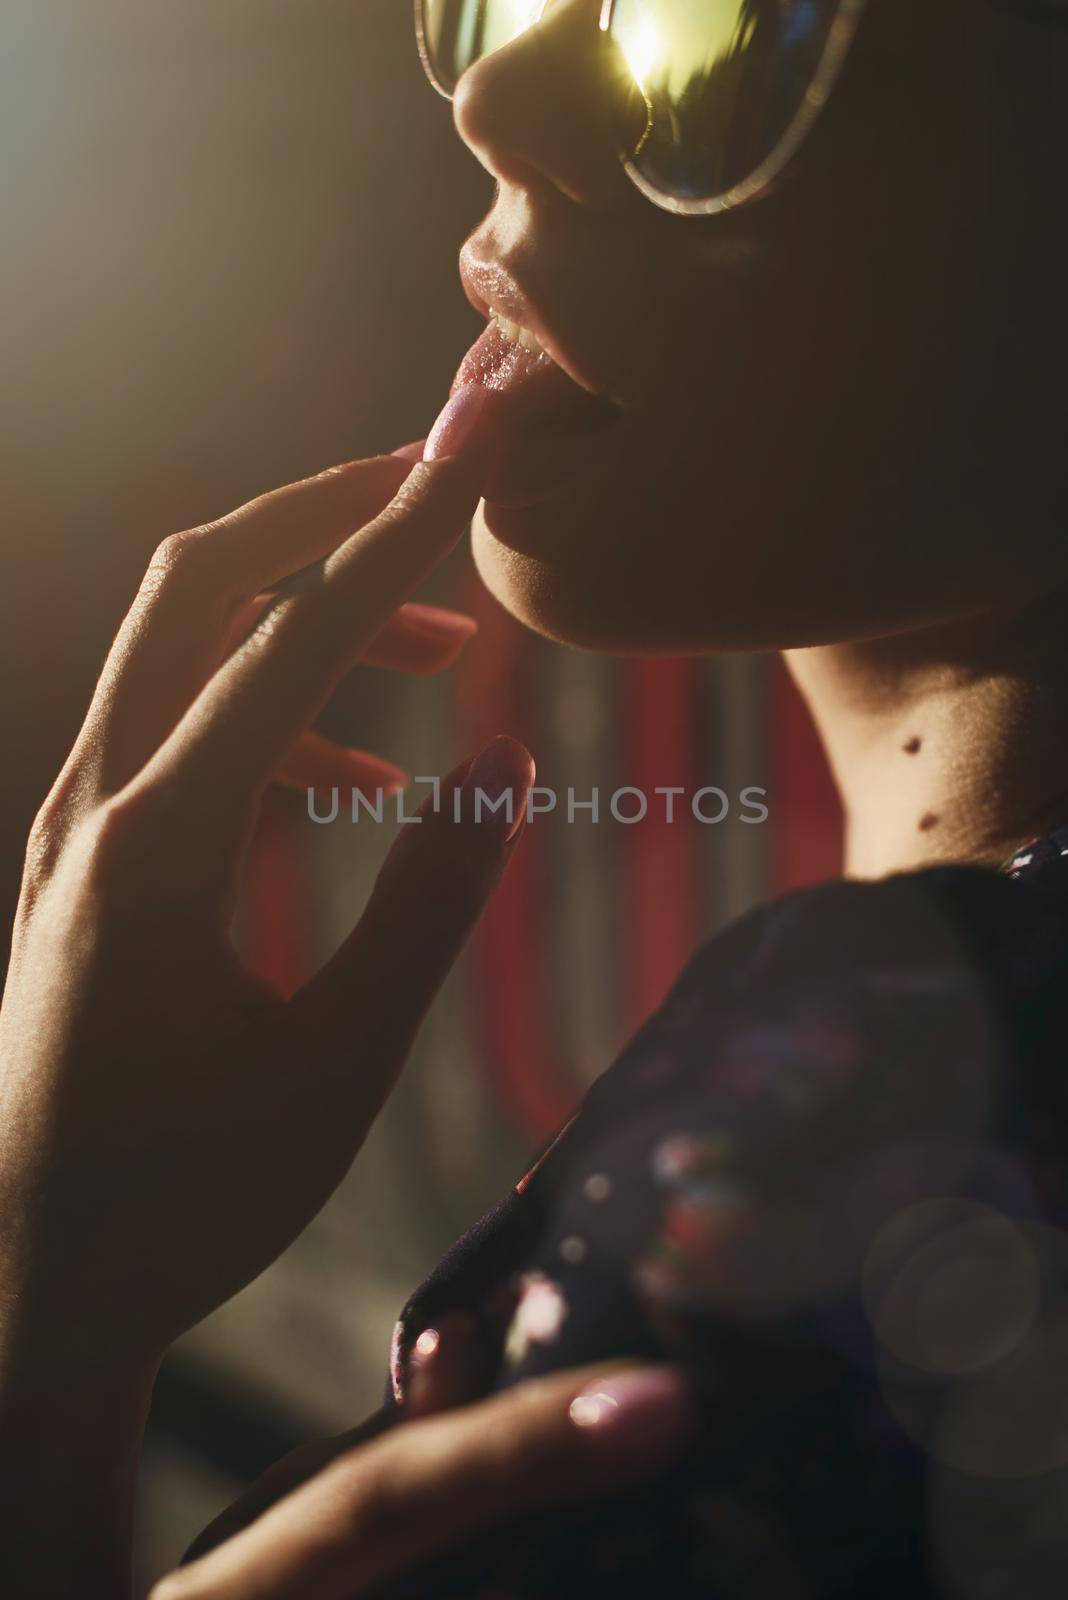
[552, 106]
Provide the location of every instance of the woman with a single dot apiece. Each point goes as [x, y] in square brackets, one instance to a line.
[715, 411]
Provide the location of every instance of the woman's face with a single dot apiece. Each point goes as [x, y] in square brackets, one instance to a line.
[833, 413]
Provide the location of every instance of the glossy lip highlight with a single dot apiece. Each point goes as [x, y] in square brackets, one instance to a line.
[546, 430]
[493, 292]
[553, 426]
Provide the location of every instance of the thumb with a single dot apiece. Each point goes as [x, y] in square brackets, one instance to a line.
[428, 896]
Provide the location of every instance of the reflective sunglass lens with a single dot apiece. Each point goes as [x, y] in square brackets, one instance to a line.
[724, 82]
[457, 33]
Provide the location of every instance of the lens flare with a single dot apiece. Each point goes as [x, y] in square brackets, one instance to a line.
[730, 87]
[642, 45]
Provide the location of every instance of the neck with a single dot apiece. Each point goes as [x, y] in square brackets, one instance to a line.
[947, 744]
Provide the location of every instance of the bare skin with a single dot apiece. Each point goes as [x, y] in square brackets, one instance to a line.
[154, 1093]
[383, 1508]
[946, 745]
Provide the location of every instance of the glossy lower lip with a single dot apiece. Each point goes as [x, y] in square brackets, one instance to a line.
[491, 289]
[548, 431]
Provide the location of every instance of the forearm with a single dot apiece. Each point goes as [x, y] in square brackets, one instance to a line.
[70, 1443]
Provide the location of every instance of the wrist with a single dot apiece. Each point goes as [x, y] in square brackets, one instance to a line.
[70, 1444]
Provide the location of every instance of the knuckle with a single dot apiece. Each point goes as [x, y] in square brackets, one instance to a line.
[43, 847]
[46, 833]
[181, 559]
[137, 859]
[52, 827]
[172, 554]
[117, 836]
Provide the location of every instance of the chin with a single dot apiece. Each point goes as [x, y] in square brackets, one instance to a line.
[645, 559]
[627, 583]
[535, 590]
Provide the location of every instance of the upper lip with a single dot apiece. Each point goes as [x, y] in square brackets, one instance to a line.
[494, 292]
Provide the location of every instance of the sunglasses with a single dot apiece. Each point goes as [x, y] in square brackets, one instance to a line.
[727, 89]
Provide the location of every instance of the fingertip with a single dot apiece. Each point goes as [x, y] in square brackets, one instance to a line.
[421, 640]
[498, 784]
[437, 622]
[514, 754]
[640, 1414]
[375, 773]
[386, 781]
[464, 424]
[445, 1367]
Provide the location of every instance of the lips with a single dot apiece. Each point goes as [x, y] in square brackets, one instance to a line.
[547, 427]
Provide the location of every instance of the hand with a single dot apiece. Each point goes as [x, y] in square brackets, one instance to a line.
[167, 1124]
[451, 1365]
[382, 1509]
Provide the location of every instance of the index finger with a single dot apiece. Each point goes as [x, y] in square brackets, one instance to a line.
[384, 1509]
[247, 718]
[175, 632]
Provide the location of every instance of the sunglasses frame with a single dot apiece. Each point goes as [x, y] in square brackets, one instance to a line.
[761, 180]
[424, 49]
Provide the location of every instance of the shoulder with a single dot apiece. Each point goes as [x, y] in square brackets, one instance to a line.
[825, 1061]
[949, 948]
[939, 919]
[832, 1059]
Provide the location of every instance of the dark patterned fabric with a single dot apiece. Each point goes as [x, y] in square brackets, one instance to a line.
[828, 1177]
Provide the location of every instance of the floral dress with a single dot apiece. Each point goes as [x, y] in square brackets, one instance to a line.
[828, 1178]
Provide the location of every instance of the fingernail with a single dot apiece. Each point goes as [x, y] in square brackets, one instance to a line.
[374, 772]
[435, 1360]
[459, 424]
[498, 783]
[410, 452]
[425, 1347]
[648, 1408]
[452, 1328]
